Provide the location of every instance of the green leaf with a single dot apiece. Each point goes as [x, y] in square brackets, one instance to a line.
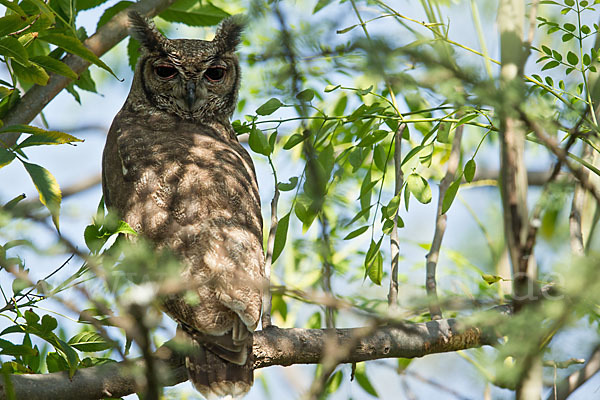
[320, 5]
[12, 23]
[74, 46]
[47, 11]
[94, 240]
[418, 186]
[567, 36]
[314, 322]
[11, 47]
[392, 207]
[280, 236]
[133, 52]
[305, 214]
[569, 27]
[13, 202]
[375, 269]
[88, 4]
[356, 232]
[269, 107]
[123, 227]
[365, 192]
[48, 189]
[443, 135]
[32, 73]
[49, 323]
[334, 382]
[56, 362]
[20, 284]
[40, 136]
[112, 11]
[547, 50]
[193, 13]
[286, 187]
[331, 88]
[572, 58]
[374, 262]
[550, 65]
[89, 342]
[54, 65]
[306, 95]
[361, 377]
[470, 170]
[293, 141]
[372, 138]
[348, 29]
[258, 142]
[450, 195]
[13, 6]
[491, 279]
[6, 157]
[380, 155]
[279, 305]
[11, 349]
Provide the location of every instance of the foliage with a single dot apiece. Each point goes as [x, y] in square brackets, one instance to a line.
[360, 132]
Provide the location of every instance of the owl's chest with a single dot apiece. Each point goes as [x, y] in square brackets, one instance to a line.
[186, 177]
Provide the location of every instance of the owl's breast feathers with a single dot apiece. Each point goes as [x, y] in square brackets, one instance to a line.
[192, 188]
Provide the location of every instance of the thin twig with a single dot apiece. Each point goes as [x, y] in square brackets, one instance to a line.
[567, 386]
[267, 300]
[327, 269]
[394, 240]
[440, 226]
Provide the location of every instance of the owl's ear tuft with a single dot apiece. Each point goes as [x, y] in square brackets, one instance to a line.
[229, 32]
[144, 31]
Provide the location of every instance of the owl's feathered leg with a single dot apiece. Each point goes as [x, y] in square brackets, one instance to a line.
[214, 377]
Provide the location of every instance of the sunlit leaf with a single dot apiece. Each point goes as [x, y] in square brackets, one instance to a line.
[419, 188]
[450, 195]
[470, 170]
[54, 65]
[6, 157]
[193, 13]
[258, 142]
[112, 11]
[280, 236]
[89, 342]
[74, 46]
[357, 232]
[11, 47]
[48, 189]
[269, 107]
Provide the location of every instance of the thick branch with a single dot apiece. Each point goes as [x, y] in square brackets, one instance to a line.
[272, 346]
[115, 30]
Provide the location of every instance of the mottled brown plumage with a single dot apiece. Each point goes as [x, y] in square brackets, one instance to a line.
[175, 171]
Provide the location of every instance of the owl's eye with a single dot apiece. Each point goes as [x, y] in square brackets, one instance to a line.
[165, 71]
[214, 74]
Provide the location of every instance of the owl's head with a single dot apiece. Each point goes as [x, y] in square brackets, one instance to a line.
[196, 80]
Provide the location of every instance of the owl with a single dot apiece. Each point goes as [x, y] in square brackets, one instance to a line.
[174, 170]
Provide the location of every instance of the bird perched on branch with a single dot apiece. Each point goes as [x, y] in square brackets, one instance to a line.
[174, 170]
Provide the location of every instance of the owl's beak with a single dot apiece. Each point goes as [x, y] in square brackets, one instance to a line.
[190, 93]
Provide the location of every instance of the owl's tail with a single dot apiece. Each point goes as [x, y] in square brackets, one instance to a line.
[216, 378]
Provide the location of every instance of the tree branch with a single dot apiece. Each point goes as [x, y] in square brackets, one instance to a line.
[273, 346]
[108, 36]
[566, 387]
[394, 240]
[440, 226]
